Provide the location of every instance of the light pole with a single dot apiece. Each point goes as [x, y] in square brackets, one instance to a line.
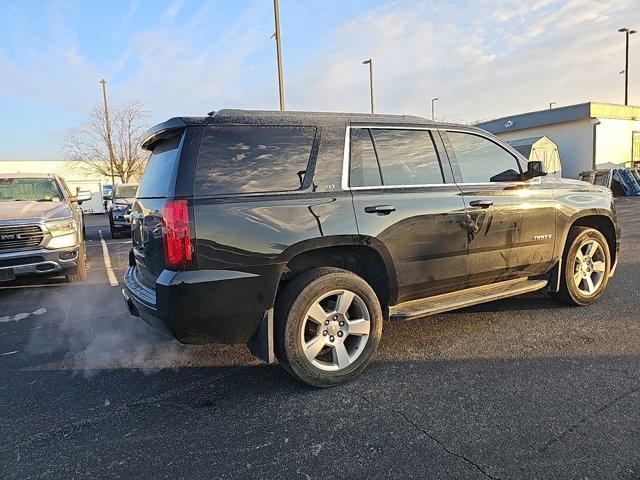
[551, 104]
[108, 128]
[433, 107]
[370, 63]
[627, 32]
[276, 13]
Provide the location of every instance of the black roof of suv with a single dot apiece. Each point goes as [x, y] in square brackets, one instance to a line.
[270, 117]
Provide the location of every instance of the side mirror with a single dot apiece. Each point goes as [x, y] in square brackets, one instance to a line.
[82, 196]
[535, 169]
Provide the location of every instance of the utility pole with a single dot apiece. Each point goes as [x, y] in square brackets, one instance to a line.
[370, 63]
[627, 32]
[108, 128]
[276, 12]
[433, 108]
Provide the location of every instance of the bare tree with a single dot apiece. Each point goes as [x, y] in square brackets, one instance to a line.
[85, 147]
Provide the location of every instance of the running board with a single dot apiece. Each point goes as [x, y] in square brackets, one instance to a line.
[463, 298]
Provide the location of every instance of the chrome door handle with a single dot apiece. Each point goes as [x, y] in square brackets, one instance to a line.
[380, 209]
[481, 203]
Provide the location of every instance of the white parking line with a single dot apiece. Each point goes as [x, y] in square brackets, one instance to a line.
[21, 316]
[107, 262]
[8, 353]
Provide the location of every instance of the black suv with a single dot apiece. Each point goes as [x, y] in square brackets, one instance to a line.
[299, 233]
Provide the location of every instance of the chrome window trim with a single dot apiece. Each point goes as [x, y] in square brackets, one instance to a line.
[346, 159]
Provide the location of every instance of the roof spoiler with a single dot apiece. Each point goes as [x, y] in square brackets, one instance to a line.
[162, 131]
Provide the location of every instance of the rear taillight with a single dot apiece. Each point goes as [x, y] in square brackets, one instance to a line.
[175, 234]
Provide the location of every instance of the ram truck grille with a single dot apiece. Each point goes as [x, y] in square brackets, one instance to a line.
[17, 237]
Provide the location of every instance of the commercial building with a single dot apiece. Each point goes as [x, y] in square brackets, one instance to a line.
[587, 135]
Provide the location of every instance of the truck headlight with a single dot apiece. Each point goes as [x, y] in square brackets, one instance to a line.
[64, 234]
[65, 227]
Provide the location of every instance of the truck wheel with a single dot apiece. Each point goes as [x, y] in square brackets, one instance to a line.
[79, 274]
[328, 325]
[112, 228]
[586, 264]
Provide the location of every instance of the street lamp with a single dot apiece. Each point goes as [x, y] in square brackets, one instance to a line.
[433, 107]
[626, 32]
[551, 104]
[108, 129]
[276, 35]
[370, 63]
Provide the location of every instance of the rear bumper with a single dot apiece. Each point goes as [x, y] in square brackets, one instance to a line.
[200, 306]
[38, 262]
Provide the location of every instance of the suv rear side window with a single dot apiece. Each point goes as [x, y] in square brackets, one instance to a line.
[479, 158]
[159, 175]
[252, 159]
[400, 156]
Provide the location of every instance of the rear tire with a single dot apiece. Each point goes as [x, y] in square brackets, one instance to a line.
[80, 272]
[586, 264]
[328, 324]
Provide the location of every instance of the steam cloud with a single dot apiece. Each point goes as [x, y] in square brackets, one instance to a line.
[108, 341]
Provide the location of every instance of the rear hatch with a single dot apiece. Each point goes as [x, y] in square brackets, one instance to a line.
[148, 224]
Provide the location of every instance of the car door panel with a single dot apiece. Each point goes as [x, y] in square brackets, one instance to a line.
[514, 236]
[423, 226]
[511, 224]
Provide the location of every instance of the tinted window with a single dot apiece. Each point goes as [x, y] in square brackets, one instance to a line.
[249, 159]
[159, 175]
[407, 157]
[364, 165]
[479, 158]
[402, 157]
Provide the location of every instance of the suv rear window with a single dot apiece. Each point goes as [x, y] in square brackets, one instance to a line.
[393, 157]
[252, 159]
[159, 175]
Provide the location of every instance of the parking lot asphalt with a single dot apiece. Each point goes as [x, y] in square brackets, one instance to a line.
[518, 388]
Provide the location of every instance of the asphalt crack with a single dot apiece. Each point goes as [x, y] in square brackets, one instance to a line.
[574, 426]
[427, 434]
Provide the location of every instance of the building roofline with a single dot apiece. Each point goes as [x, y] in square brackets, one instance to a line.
[570, 113]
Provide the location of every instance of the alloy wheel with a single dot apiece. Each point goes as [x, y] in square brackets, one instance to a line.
[589, 267]
[335, 330]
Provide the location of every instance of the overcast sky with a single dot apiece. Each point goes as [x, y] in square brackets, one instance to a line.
[186, 57]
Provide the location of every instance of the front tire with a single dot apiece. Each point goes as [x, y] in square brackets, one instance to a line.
[328, 324]
[80, 272]
[586, 265]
